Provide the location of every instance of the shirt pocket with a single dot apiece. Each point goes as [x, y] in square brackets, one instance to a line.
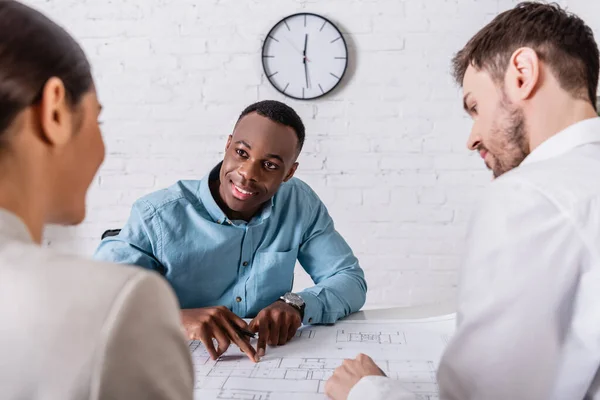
[274, 273]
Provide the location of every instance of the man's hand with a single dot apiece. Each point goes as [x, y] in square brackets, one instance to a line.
[348, 374]
[204, 324]
[276, 325]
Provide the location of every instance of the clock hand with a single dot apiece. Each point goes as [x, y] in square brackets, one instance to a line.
[294, 46]
[305, 43]
[306, 74]
[304, 59]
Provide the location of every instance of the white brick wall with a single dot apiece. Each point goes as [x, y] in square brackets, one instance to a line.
[386, 152]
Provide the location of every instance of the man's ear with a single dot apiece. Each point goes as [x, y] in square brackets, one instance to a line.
[291, 173]
[55, 114]
[228, 142]
[523, 74]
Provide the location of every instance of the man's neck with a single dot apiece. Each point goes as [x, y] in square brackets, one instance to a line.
[215, 190]
[559, 114]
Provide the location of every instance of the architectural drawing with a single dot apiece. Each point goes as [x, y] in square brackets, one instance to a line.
[371, 337]
[305, 334]
[300, 369]
[234, 375]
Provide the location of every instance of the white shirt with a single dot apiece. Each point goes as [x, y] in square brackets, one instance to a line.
[71, 328]
[528, 321]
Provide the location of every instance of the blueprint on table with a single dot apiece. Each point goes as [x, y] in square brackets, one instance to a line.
[406, 350]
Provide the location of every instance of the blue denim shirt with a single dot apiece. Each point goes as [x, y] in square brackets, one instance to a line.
[209, 260]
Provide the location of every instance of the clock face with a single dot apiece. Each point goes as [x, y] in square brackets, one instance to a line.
[304, 56]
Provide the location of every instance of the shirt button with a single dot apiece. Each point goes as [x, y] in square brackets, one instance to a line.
[245, 263]
[238, 299]
[309, 320]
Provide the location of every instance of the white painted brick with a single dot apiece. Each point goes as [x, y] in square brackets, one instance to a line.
[158, 165]
[395, 144]
[311, 162]
[463, 161]
[343, 144]
[425, 214]
[349, 162]
[113, 215]
[188, 145]
[412, 178]
[127, 181]
[393, 264]
[113, 164]
[432, 195]
[125, 145]
[351, 180]
[379, 42]
[401, 196]
[412, 230]
[451, 263]
[133, 47]
[324, 127]
[406, 162]
[169, 111]
[331, 109]
[174, 76]
[164, 64]
[370, 110]
[458, 177]
[131, 195]
[228, 93]
[311, 146]
[316, 180]
[104, 197]
[203, 62]
[377, 196]
[463, 194]
[462, 213]
[168, 179]
[99, 10]
[348, 197]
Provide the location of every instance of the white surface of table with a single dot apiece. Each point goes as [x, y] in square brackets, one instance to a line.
[423, 311]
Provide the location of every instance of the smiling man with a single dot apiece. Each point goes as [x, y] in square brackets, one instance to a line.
[228, 243]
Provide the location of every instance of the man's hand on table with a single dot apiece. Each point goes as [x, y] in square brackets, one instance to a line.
[347, 375]
[204, 324]
[276, 325]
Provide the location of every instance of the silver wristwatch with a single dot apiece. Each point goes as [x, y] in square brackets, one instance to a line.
[295, 301]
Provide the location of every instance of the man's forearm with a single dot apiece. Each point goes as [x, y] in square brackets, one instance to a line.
[334, 298]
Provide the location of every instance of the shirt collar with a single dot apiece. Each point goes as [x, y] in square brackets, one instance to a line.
[578, 134]
[213, 208]
[13, 227]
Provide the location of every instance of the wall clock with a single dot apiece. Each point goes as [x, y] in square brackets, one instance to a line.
[304, 56]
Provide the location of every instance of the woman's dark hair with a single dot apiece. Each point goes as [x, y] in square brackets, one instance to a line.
[34, 49]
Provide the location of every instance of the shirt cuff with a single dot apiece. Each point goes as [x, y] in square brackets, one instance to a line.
[379, 388]
[313, 310]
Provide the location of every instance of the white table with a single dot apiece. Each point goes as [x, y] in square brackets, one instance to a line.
[424, 311]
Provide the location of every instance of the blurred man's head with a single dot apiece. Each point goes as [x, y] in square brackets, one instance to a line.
[523, 73]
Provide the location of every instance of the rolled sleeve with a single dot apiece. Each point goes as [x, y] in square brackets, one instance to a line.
[340, 282]
[138, 243]
[380, 388]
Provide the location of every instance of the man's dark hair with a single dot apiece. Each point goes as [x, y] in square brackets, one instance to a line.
[561, 40]
[34, 49]
[278, 112]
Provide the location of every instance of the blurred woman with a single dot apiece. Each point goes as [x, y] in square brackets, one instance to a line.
[69, 328]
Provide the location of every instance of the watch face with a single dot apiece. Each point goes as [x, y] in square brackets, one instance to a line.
[294, 299]
[305, 56]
